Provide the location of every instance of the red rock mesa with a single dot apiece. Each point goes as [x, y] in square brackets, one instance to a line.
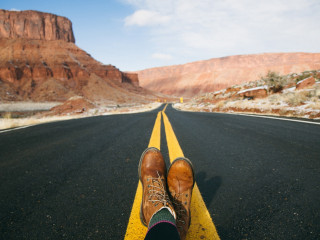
[219, 73]
[40, 62]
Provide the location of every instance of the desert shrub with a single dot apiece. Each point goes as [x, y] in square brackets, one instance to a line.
[311, 93]
[7, 115]
[296, 99]
[274, 98]
[274, 81]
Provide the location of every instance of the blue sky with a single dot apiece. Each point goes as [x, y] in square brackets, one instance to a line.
[139, 34]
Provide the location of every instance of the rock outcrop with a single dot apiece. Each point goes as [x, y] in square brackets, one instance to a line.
[40, 62]
[35, 25]
[219, 73]
[305, 83]
[73, 105]
[251, 93]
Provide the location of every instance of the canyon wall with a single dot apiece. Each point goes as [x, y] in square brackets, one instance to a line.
[215, 74]
[39, 61]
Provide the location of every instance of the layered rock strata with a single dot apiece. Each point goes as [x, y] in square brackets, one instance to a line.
[219, 73]
[37, 65]
[35, 25]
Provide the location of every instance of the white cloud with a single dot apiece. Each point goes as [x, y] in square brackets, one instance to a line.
[146, 18]
[15, 10]
[212, 28]
[161, 56]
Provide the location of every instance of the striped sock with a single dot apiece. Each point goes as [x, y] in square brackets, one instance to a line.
[163, 215]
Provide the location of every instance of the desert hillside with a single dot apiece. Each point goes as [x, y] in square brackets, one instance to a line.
[293, 95]
[39, 61]
[218, 73]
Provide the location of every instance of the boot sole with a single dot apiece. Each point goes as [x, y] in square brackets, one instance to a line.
[139, 173]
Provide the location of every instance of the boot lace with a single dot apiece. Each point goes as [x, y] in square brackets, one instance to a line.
[180, 209]
[157, 193]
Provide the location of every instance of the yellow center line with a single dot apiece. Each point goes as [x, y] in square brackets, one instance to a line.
[201, 226]
[135, 229]
[165, 107]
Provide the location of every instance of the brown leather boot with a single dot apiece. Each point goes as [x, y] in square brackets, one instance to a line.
[152, 174]
[180, 184]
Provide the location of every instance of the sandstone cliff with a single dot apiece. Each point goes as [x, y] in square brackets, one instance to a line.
[219, 73]
[39, 61]
[35, 25]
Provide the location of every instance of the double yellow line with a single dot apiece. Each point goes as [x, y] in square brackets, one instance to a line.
[201, 226]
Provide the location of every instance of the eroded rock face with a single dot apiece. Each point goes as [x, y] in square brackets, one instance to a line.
[35, 25]
[42, 70]
[40, 62]
[219, 73]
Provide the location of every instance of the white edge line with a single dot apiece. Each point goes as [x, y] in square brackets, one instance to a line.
[13, 129]
[258, 116]
[283, 119]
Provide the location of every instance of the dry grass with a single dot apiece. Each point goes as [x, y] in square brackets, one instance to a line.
[6, 123]
[13, 123]
[296, 98]
[315, 105]
[288, 102]
[303, 103]
[240, 104]
[7, 115]
[220, 104]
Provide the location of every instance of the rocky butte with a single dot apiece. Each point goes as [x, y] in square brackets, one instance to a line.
[35, 25]
[219, 73]
[39, 61]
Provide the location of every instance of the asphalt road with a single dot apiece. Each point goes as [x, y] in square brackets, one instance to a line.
[76, 179]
